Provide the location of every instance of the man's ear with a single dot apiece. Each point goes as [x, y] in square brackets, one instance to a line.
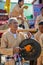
[9, 25]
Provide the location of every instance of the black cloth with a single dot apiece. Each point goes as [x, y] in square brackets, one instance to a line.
[33, 62]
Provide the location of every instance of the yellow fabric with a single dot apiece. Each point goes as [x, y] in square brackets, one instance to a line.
[7, 6]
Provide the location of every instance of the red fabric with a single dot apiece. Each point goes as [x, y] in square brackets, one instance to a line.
[3, 11]
[3, 22]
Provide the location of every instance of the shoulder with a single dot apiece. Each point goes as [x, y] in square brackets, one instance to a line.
[37, 34]
[16, 6]
[41, 36]
[5, 33]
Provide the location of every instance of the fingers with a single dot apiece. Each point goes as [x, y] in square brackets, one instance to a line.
[16, 50]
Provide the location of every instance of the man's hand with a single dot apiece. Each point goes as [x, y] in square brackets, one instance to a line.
[25, 7]
[16, 50]
[29, 35]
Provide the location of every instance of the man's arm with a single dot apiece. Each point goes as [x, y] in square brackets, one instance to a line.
[3, 49]
[36, 37]
[34, 1]
[41, 40]
[36, 22]
[6, 51]
[4, 41]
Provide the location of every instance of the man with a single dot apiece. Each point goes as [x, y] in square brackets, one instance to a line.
[11, 39]
[18, 12]
[18, 9]
[13, 25]
[38, 38]
[39, 18]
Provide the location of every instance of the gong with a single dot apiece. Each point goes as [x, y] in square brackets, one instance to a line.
[31, 49]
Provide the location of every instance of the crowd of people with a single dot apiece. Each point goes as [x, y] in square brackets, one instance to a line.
[11, 38]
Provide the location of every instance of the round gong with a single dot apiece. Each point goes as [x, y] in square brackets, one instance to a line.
[31, 49]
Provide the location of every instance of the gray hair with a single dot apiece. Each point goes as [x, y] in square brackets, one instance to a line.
[12, 19]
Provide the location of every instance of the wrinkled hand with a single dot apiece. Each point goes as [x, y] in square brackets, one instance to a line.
[16, 50]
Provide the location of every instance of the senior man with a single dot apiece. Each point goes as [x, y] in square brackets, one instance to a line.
[11, 38]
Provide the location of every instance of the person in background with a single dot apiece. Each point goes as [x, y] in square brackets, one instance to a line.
[40, 31]
[18, 10]
[39, 38]
[39, 18]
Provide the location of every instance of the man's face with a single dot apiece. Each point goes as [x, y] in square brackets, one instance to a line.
[21, 3]
[42, 11]
[41, 28]
[14, 25]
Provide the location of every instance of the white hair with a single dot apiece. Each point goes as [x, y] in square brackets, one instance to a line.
[12, 19]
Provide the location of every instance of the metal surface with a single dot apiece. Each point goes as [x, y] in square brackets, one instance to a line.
[35, 51]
